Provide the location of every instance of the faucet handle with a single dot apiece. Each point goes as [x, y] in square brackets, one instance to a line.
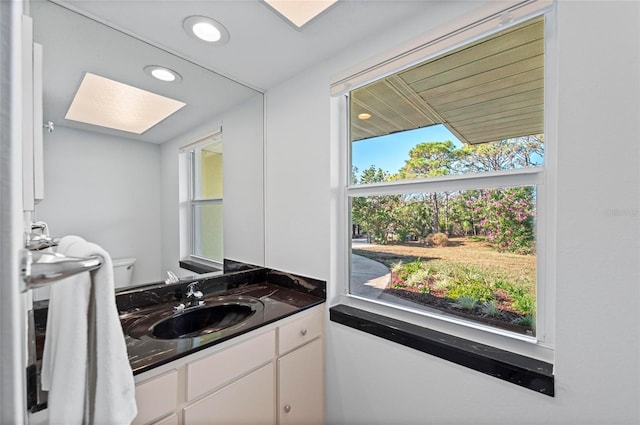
[39, 225]
[193, 292]
[36, 242]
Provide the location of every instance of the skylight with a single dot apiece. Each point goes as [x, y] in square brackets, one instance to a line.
[108, 103]
[299, 12]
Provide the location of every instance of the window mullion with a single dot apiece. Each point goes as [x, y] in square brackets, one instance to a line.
[524, 177]
[206, 201]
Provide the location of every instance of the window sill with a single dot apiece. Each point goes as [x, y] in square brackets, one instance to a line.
[524, 371]
[198, 267]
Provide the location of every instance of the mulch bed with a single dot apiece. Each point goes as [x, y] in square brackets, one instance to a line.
[506, 319]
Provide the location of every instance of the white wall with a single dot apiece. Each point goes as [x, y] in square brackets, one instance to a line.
[243, 140]
[597, 357]
[107, 190]
[243, 163]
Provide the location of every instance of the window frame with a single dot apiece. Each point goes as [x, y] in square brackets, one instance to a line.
[543, 178]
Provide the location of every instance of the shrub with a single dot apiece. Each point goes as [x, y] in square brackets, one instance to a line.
[413, 267]
[475, 290]
[469, 281]
[397, 267]
[438, 239]
[526, 321]
[524, 303]
[491, 309]
[508, 218]
[417, 278]
[467, 303]
[402, 273]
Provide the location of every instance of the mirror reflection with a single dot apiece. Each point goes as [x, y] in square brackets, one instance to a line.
[129, 192]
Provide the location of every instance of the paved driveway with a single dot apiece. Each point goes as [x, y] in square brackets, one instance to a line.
[368, 277]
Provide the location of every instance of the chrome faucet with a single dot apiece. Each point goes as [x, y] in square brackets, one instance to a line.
[39, 239]
[193, 295]
[192, 298]
[35, 242]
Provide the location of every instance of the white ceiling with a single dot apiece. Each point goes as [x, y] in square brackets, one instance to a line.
[74, 45]
[263, 49]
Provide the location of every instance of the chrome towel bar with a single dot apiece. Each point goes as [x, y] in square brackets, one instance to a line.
[39, 268]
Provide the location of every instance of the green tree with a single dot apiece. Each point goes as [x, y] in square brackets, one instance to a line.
[464, 217]
[506, 154]
[374, 214]
[508, 217]
[431, 160]
[416, 215]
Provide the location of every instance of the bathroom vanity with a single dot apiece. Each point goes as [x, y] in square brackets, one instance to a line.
[271, 375]
[247, 349]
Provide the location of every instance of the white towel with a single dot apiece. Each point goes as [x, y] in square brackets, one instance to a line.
[85, 366]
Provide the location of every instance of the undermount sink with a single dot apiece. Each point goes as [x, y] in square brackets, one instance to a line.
[215, 315]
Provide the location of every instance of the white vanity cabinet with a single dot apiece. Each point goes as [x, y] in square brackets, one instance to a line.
[301, 385]
[273, 375]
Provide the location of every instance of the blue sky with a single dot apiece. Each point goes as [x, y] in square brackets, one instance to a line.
[390, 152]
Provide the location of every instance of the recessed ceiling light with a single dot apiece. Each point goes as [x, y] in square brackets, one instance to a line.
[108, 103]
[300, 12]
[364, 116]
[163, 74]
[206, 29]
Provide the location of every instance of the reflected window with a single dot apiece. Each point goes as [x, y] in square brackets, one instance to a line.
[206, 200]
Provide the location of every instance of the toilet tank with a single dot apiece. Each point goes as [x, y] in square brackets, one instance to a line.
[122, 271]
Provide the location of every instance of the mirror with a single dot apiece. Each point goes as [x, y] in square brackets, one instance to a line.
[122, 190]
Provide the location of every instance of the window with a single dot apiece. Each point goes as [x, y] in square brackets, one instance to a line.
[205, 199]
[446, 192]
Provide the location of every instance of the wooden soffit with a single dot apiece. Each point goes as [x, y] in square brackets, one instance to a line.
[487, 91]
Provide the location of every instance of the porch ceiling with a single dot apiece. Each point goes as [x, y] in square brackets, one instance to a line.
[491, 90]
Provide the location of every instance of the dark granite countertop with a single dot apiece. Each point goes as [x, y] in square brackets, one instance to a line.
[276, 302]
[278, 295]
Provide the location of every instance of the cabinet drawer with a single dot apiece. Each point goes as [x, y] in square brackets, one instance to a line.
[303, 328]
[156, 397]
[249, 400]
[211, 372]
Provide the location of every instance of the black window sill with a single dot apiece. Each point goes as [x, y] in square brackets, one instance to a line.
[197, 267]
[527, 372]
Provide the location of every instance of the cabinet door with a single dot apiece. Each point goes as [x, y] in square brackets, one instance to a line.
[301, 385]
[156, 397]
[249, 400]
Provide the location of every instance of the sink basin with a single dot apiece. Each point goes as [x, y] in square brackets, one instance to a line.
[213, 319]
[216, 315]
